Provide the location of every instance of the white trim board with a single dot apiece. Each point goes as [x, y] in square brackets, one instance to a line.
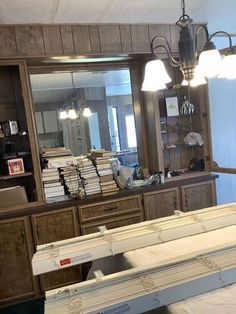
[82, 249]
[144, 288]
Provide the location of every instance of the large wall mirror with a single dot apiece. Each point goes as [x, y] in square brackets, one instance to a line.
[86, 109]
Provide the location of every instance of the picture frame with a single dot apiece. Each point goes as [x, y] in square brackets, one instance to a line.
[172, 107]
[15, 166]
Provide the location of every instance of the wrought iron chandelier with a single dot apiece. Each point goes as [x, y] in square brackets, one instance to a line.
[195, 69]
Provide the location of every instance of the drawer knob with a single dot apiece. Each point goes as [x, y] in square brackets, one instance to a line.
[110, 208]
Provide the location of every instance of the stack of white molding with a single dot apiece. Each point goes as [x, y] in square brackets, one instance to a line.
[147, 286]
[62, 254]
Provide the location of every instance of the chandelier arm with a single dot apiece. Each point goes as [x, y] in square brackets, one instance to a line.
[224, 33]
[173, 61]
[197, 32]
[163, 39]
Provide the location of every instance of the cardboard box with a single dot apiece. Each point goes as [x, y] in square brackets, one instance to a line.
[14, 195]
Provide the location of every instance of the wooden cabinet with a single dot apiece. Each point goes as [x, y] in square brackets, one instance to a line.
[16, 276]
[161, 203]
[199, 195]
[17, 133]
[55, 226]
[112, 214]
[115, 207]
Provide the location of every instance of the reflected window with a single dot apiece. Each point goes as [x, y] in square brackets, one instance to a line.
[131, 134]
[60, 100]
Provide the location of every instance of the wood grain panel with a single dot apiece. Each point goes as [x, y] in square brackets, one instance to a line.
[15, 260]
[55, 226]
[52, 40]
[29, 40]
[160, 30]
[126, 41]
[7, 42]
[110, 38]
[111, 223]
[199, 195]
[67, 39]
[110, 208]
[140, 38]
[174, 36]
[161, 203]
[95, 39]
[81, 38]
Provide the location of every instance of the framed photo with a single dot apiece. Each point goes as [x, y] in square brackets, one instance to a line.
[172, 107]
[15, 166]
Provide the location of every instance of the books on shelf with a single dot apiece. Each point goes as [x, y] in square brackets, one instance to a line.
[88, 173]
[52, 183]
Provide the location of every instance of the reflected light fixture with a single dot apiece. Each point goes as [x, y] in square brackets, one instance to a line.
[87, 112]
[194, 71]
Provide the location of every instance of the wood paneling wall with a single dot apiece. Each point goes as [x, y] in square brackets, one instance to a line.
[57, 40]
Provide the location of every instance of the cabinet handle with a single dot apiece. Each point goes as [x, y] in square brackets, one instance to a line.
[37, 232]
[22, 235]
[110, 208]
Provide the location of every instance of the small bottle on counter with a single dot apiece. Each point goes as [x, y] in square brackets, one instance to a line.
[162, 178]
[156, 178]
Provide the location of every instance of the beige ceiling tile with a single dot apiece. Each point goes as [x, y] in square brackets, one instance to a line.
[25, 11]
[81, 11]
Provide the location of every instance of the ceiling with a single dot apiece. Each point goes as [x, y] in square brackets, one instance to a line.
[217, 13]
[58, 87]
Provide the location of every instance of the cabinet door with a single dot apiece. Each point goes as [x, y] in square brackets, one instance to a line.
[16, 276]
[198, 195]
[55, 226]
[111, 223]
[161, 203]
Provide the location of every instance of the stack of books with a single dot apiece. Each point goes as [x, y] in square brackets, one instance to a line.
[107, 181]
[89, 175]
[55, 152]
[51, 183]
[72, 182]
[101, 153]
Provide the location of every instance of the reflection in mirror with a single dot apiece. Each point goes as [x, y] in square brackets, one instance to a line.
[86, 109]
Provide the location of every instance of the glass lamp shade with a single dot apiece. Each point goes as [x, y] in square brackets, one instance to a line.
[87, 112]
[63, 115]
[198, 78]
[72, 114]
[184, 83]
[228, 68]
[210, 62]
[155, 77]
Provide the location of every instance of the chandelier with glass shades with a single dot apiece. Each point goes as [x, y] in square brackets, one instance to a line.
[195, 69]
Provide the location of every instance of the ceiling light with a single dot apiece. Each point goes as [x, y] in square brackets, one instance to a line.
[210, 63]
[228, 68]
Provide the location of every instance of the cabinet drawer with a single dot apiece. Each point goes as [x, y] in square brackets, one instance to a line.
[111, 223]
[110, 208]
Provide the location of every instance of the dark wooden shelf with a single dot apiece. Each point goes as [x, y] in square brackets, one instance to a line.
[15, 176]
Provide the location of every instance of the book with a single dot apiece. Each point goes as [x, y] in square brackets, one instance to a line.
[51, 178]
[54, 194]
[54, 189]
[53, 184]
[105, 178]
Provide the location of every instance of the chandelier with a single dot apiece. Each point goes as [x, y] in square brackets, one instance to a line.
[195, 69]
[72, 110]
